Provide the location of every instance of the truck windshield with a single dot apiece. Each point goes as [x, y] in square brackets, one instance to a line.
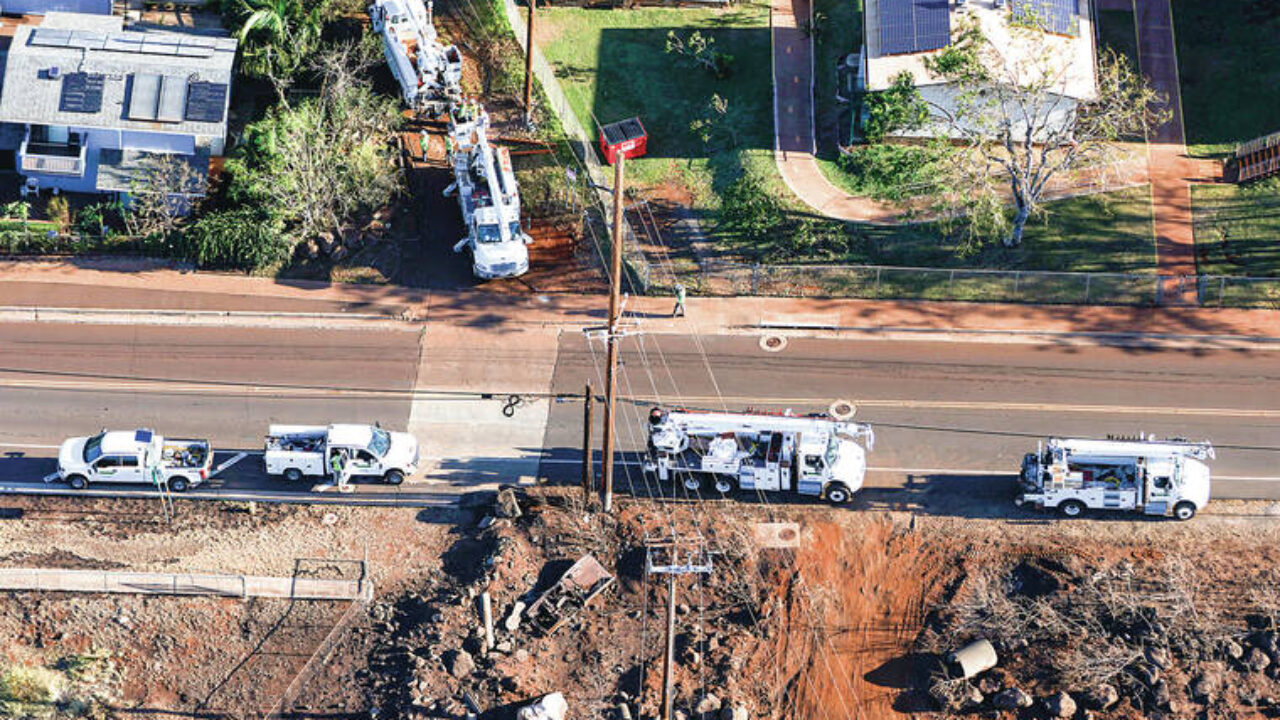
[488, 233]
[380, 443]
[833, 451]
[93, 448]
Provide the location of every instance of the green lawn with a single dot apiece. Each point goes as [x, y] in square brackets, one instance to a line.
[1238, 228]
[612, 65]
[1229, 64]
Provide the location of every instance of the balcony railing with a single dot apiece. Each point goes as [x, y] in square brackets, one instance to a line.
[52, 158]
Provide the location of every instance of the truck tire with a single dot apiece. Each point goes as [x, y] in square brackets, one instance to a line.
[838, 494]
[724, 485]
[292, 475]
[1071, 508]
[179, 484]
[1184, 510]
[78, 482]
[692, 482]
[393, 477]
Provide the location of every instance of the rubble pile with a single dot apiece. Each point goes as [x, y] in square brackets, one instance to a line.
[1080, 639]
[570, 612]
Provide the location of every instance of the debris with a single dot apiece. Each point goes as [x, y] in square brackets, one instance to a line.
[1205, 686]
[776, 535]
[1060, 705]
[513, 618]
[736, 712]
[1011, 699]
[486, 612]
[549, 707]
[1256, 660]
[707, 707]
[461, 664]
[486, 522]
[505, 504]
[1102, 697]
[975, 658]
[579, 585]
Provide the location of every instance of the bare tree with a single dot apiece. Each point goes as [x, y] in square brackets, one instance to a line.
[1024, 121]
[166, 190]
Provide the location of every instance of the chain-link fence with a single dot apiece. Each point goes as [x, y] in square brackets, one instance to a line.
[584, 148]
[1232, 291]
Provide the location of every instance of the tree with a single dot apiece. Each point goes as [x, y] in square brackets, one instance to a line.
[899, 107]
[277, 37]
[162, 194]
[323, 161]
[700, 50]
[1020, 127]
[246, 238]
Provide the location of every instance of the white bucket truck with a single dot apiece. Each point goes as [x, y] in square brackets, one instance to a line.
[489, 196]
[1155, 477]
[814, 455]
[134, 456]
[297, 451]
[429, 73]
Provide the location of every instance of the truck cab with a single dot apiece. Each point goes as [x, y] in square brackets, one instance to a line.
[134, 456]
[1146, 475]
[297, 451]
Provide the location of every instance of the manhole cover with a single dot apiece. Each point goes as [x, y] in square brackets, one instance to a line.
[773, 343]
[842, 410]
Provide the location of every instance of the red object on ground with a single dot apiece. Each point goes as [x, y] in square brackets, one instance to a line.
[626, 137]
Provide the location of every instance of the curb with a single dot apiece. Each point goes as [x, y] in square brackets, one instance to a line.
[206, 318]
[1151, 341]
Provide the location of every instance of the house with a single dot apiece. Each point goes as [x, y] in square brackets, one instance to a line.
[40, 7]
[91, 104]
[1051, 39]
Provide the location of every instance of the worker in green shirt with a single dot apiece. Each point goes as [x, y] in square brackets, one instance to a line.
[678, 310]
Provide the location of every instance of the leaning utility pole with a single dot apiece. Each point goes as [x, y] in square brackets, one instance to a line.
[611, 363]
[671, 558]
[588, 467]
[528, 66]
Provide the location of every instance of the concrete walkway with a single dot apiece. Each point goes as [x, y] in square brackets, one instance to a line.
[793, 109]
[1171, 171]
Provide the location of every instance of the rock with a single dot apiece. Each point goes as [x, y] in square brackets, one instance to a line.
[123, 621]
[1158, 657]
[1233, 650]
[624, 712]
[692, 657]
[988, 685]
[1011, 699]
[521, 655]
[1256, 660]
[707, 707]
[1060, 705]
[503, 647]
[679, 715]
[1205, 686]
[460, 663]
[735, 712]
[513, 618]
[1145, 673]
[682, 609]
[1267, 642]
[1160, 696]
[1102, 697]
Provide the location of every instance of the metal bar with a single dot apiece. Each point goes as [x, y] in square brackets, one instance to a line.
[588, 470]
[669, 650]
[528, 66]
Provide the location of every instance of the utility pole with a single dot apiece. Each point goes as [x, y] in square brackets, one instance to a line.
[615, 302]
[671, 558]
[528, 66]
[588, 467]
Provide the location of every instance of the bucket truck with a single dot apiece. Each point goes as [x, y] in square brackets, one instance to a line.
[485, 184]
[429, 73]
[297, 451]
[1154, 477]
[814, 455]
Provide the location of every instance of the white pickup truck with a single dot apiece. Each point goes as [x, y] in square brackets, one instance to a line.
[134, 456]
[297, 451]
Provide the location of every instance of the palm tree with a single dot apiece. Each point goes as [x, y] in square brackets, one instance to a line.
[277, 36]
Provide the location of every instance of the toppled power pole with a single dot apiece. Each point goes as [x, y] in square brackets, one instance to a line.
[672, 557]
[611, 363]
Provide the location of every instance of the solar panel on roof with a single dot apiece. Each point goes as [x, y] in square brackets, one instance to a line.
[154, 46]
[86, 40]
[48, 37]
[206, 101]
[909, 26]
[144, 96]
[173, 99]
[81, 93]
[1054, 16]
[142, 436]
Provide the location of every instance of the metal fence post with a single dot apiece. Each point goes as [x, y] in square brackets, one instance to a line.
[1088, 281]
[878, 269]
[755, 279]
[951, 277]
[1222, 290]
[1017, 282]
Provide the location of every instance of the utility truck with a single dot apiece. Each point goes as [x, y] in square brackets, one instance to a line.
[485, 184]
[134, 456]
[297, 451]
[429, 72]
[1154, 477]
[814, 455]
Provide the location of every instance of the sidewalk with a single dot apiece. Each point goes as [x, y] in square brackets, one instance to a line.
[478, 318]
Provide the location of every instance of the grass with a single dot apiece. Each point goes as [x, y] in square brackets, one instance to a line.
[1229, 65]
[1237, 228]
[612, 65]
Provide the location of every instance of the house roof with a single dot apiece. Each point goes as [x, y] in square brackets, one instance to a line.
[1070, 57]
[88, 71]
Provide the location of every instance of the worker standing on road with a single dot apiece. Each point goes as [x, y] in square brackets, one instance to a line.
[678, 310]
[340, 469]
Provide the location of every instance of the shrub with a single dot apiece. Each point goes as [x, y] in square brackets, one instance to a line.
[894, 172]
[59, 211]
[899, 107]
[24, 684]
[245, 238]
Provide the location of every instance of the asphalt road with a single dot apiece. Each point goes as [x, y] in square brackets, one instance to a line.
[949, 417]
